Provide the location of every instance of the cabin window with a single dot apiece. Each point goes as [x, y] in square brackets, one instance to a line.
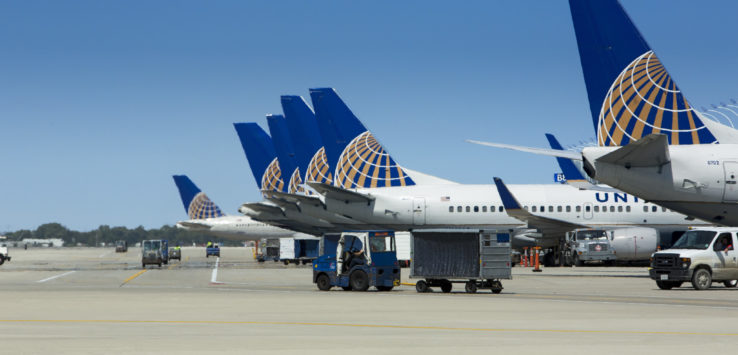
[484, 208]
[596, 208]
[586, 208]
[645, 208]
[604, 208]
[468, 209]
[525, 208]
[458, 208]
[559, 209]
[476, 208]
[568, 208]
[451, 209]
[663, 209]
[579, 209]
[612, 208]
[627, 208]
[654, 208]
[491, 208]
[620, 208]
[543, 208]
[535, 208]
[502, 209]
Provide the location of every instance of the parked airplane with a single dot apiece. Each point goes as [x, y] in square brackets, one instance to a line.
[652, 143]
[206, 216]
[369, 187]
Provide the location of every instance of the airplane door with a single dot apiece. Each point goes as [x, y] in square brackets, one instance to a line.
[587, 213]
[731, 181]
[419, 211]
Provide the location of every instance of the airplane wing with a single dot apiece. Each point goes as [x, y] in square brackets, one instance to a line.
[549, 227]
[542, 151]
[652, 150]
[337, 193]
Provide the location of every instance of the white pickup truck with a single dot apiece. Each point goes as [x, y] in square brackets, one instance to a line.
[4, 253]
[701, 256]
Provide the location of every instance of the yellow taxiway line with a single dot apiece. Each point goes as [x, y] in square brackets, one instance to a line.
[351, 325]
[133, 277]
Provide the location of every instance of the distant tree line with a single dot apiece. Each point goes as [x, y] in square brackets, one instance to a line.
[106, 234]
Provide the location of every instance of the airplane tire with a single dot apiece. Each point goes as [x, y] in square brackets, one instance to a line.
[471, 286]
[731, 283]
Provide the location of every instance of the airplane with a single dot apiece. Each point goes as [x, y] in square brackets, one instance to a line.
[207, 217]
[651, 142]
[369, 186]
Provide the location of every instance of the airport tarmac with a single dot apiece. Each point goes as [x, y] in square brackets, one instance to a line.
[93, 300]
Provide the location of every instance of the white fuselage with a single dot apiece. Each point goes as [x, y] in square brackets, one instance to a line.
[480, 206]
[240, 228]
[700, 180]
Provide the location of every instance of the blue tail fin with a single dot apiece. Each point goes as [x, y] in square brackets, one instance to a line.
[261, 156]
[567, 166]
[196, 203]
[358, 158]
[306, 141]
[285, 151]
[631, 95]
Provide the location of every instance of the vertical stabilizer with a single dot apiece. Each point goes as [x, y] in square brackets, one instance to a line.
[285, 151]
[306, 140]
[570, 170]
[261, 155]
[631, 95]
[196, 203]
[359, 160]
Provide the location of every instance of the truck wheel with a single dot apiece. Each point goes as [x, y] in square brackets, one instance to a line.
[2, 260]
[731, 283]
[471, 286]
[496, 287]
[359, 280]
[422, 286]
[577, 262]
[384, 288]
[286, 262]
[143, 266]
[664, 285]
[323, 282]
[701, 280]
[446, 287]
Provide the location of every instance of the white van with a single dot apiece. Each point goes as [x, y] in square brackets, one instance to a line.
[701, 256]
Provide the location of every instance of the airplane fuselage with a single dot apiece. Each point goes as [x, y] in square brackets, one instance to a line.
[240, 228]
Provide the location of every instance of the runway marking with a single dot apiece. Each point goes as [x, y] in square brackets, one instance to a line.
[104, 254]
[214, 275]
[56, 277]
[133, 277]
[385, 326]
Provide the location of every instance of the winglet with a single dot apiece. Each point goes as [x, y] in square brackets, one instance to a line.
[508, 200]
[567, 166]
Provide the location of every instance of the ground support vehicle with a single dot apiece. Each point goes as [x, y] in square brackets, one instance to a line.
[154, 252]
[700, 256]
[213, 250]
[298, 250]
[175, 253]
[360, 260]
[268, 250]
[589, 245]
[3, 252]
[477, 258]
[121, 246]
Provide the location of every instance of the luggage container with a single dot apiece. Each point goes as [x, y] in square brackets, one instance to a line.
[268, 250]
[298, 250]
[477, 258]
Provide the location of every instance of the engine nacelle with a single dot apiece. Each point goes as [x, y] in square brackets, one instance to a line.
[636, 243]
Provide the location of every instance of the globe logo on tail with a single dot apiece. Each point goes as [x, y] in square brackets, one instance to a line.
[643, 100]
[364, 163]
[272, 178]
[201, 207]
[295, 185]
[318, 169]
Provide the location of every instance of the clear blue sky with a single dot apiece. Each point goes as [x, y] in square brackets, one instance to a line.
[102, 101]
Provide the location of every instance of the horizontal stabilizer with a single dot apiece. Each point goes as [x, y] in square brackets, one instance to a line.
[194, 225]
[294, 198]
[549, 227]
[337, 193]
[262, 208]
[542, 151]
[650, 151]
